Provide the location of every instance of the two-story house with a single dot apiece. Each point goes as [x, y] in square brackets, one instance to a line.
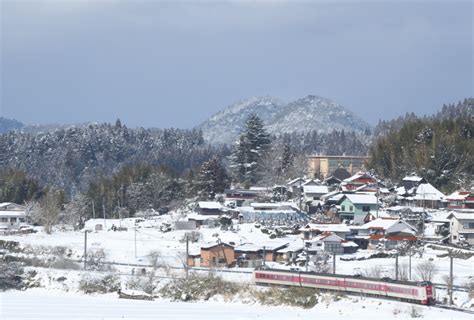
[462, 227]
[355, 207]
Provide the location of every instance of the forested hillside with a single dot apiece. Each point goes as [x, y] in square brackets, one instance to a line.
[440, 147]
[70, 158]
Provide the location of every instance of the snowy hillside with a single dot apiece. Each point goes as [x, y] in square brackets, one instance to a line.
[315, 113]
[225, 125]
[305, 114]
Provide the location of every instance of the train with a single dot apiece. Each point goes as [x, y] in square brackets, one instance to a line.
[420, 292]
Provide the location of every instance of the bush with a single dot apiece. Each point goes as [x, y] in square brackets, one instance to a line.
[294, 296]
[62, 263]
[11, 276]
[198, 288]
[105, 284]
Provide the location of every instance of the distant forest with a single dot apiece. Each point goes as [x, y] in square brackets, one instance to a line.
[439, 147]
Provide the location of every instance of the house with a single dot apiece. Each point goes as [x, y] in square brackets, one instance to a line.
[410, 182]
[382, 232]
[295, 185]
[314, 192]
[326, 242]
[271, 212]
[462, 226]
[217, 255]
[312, 230]
[239, 196]
[357, 180]
[424, 195]
[339, 174]
[461, 200]
[290, 253]
[202, 220]
[210, 208]
[355, 207]
[252, 255]
[12, 215]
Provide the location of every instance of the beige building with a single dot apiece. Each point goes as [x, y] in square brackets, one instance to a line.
[322, 166]
[462, 227]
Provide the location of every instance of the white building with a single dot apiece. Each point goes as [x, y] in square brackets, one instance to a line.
[462, 227]
[12, 215]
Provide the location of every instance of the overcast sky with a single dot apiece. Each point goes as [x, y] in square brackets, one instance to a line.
[168, 64]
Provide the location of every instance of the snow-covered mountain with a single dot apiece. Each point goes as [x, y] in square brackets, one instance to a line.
[225, 126]
[305, 114]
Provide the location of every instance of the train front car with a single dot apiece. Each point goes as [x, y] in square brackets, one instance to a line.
[427, 293]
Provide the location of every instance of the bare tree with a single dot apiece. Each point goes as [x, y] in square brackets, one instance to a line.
[373, 272]
[403, 272]
[426, 270]
[46, 211]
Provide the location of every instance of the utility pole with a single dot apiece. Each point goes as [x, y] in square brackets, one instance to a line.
[450, 287]
[187, 255]
[409, 264]
[334, 262]
[85, 249]
[396, 266]
[307, 256]
[93, 209]
[377, 196]
[263, 257]
[135, 239]
[103, 211]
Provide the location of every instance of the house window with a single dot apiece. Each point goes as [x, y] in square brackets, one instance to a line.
[455, 237]
[469, 225]
[343, 208]
[366, 208]
[351, 208]
[4, 219]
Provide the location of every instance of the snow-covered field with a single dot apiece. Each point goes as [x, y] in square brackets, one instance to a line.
[62, 300]
[120, 247]
[46, 304]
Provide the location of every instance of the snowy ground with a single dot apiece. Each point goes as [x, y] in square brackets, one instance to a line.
[46, 304]
[120, 247]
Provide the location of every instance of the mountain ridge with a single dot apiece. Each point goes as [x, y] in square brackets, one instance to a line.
[309, 113]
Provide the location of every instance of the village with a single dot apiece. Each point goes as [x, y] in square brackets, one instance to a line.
[346, 221]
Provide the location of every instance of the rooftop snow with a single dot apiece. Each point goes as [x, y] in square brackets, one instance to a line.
[362, 198]
[315, 189]
[209, 205]
[426, 191]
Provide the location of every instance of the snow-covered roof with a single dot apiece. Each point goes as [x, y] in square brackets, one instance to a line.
[315, 189]
[358, 175]
[461, 216]
[362, 198]
[380, 223]
[459, 195]
[10, 206]
[348, 244]
[296, 180]
[426, 191]
[200, 217]
[333, 227]
[12, 213]
[412, 178]
[210, 205]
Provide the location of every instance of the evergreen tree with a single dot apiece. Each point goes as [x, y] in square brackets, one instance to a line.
[251, 148]
[213, 179]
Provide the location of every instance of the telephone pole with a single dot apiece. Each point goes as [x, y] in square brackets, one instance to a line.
[263, 257]
[396, 266]
[409, 264]
[187, 255]
[85, 249]
[334, 262]
[135, 240]
[450, 286]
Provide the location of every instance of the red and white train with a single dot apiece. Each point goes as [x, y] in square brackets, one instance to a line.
[412, 291]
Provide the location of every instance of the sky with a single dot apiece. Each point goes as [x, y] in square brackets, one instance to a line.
[174, 64]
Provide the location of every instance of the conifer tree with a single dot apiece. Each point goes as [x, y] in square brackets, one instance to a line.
[213, 179]
[250, 150]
